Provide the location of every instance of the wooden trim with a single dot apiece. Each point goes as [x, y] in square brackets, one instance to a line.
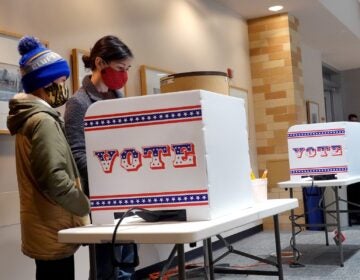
[75, 53]
[143, 79]
[10, 34]
[18, 35]
[143, 68]
[4, 132]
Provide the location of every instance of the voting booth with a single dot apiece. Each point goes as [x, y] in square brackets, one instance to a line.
[186, 150]
[324, 149]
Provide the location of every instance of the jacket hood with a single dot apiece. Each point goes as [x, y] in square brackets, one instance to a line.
[23, 106]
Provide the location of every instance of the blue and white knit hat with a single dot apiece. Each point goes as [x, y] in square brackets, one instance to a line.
[39, 66]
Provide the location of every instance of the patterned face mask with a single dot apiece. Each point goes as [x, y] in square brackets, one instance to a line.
[58, 94]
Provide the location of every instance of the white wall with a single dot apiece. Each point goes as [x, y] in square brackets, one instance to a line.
[350, 92]
[177, 35]
[313, 80]
[348, 13]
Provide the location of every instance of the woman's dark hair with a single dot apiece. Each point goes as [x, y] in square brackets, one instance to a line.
[109, 48]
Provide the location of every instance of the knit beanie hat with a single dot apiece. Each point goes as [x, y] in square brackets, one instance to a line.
[39, 66]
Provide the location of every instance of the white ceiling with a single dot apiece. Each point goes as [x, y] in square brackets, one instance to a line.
[320, 29]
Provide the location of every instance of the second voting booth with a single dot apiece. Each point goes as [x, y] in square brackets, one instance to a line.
[324, 149]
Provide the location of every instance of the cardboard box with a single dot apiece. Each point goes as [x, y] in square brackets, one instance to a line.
[185, 150]
[324, 148]
[207, 80]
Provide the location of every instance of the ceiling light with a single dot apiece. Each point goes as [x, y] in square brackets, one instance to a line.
[276, 8]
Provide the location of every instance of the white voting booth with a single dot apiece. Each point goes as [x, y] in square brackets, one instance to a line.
[185, 150]
[324, 148]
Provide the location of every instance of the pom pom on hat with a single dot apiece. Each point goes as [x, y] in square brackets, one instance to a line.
[39, 66]
[27, 44]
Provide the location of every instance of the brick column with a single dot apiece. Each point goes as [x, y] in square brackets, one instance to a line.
[278, 94]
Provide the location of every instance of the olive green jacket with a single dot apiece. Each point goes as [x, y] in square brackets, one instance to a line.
[51, 198]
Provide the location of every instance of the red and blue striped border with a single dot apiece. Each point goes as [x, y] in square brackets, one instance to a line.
[150, 200]
[143, 118]
[316, 133]
[319, 170]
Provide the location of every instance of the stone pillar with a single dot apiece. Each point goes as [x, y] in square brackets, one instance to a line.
[278, 94]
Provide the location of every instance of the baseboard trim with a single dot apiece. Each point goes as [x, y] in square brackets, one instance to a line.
[196, 253]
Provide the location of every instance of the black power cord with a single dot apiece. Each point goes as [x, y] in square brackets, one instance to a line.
[116, 261]
[119, 263]
[149, 216]
[293, 218]
[295, 263]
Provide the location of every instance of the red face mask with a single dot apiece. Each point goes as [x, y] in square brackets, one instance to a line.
[114, 79]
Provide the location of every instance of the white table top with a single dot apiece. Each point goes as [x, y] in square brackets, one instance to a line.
[308, 182]
[134, 229]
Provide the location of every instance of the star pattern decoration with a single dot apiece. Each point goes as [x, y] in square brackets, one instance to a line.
[150, 200]
[317, 133]
[318, 170]
[144, 118]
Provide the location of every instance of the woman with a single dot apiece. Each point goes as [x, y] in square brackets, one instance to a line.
[109, 61]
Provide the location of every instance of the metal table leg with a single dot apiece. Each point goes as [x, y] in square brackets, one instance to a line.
[325, 220]
[338, 225]
[292, 213]
[92, 257]
[278, 246]
[208, 259]
[181, 261]
[168, 262]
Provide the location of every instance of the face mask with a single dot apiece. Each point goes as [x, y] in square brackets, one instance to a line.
[114, 79]
[58, 94]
